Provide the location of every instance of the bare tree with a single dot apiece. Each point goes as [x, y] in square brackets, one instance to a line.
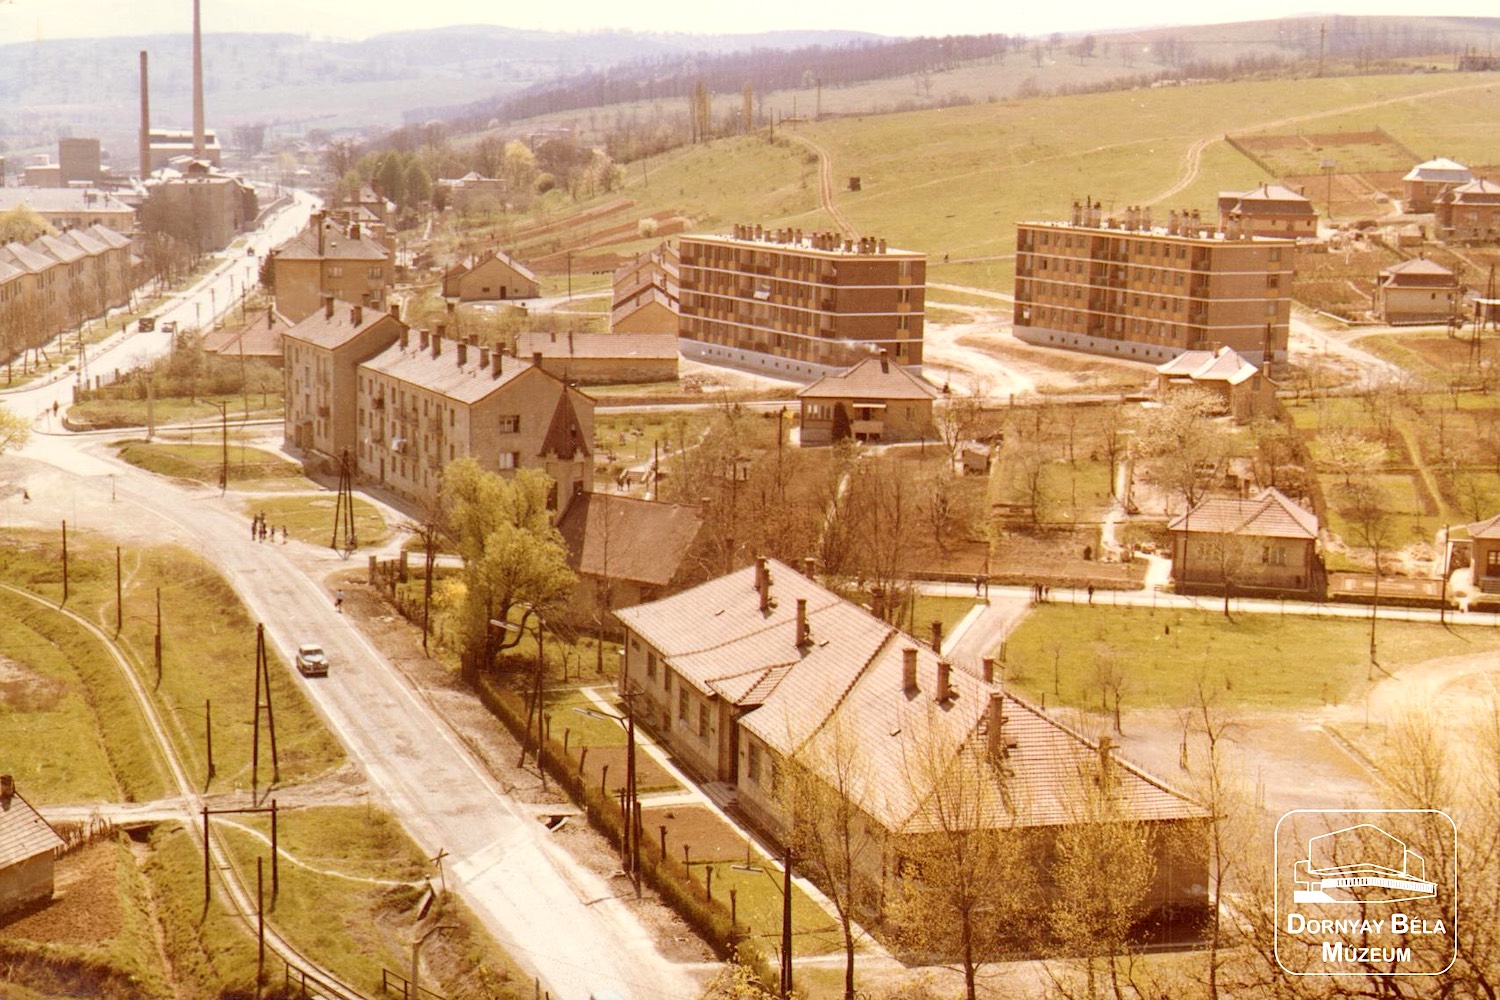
[824, 788]
[968, 878]
[1364, 504]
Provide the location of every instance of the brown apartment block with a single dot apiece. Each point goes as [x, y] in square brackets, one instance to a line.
[646, 291]
[799, 305]
[424, 402]
[1128, 289]
[328, 258]
[55, 282]
[321, 354]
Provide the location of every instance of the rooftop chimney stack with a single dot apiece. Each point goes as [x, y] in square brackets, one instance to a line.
[804, 634]
[395, 310]
[987, 665]
[996, 726]
[357, 315]
[484, 357]
[909, 670]
[944, 681]
[809, 566]
[937, 636]
[763, 583]
[145, 121]
[423, 338]
[463, 353]
[437, 341]
[200, 143]
[495, 363]
[7, 790]
[328, 307]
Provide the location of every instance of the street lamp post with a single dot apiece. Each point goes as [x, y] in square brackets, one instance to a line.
[224, 464]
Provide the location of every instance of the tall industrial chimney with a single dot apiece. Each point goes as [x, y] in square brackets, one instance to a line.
[200, 145]
[145, 121]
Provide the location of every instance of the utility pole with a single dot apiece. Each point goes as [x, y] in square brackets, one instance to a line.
[262, 670]
[786, 923]
[224, 462]
[65, 561]
[208, 732]
[343, 509]
[119, 595]
[158, 637]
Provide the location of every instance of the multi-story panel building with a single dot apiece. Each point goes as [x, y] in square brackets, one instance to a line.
[321, 354]
[799, 306]
[1126, 289]
[57, 282]
[421, 406]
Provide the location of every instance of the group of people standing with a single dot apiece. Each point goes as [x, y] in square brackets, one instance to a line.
[260, 530]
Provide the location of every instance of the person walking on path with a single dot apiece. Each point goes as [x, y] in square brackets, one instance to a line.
[338, 601]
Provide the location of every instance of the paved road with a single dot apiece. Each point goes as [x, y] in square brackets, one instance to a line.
[560, 921]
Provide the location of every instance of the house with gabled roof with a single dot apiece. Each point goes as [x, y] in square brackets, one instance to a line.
[874, 401]
[1246, 389]
[330, 258]
[1424, 182]
[1269, 210]
[626, 550]
[744, 673]
[646, 292]
[1416, 291]
[492, 275]
[1265, 545]
[423, 402]
[28, 847]
[1468, 213]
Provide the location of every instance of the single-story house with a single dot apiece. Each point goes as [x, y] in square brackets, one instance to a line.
[1245, 388]
[1266, 544]
[625, 550]
[874, 401]
[493, 275]
[1416, 291]
[28, 847]
[603, 358]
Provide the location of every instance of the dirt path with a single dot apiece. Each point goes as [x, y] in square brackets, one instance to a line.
[825, 187]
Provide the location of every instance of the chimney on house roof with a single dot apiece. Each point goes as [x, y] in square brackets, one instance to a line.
[357, 315]
[354, 230]
[405, 338]
[995, 726]
[437, 342]
[270, 317]
[328, 307]
[909, 670]
[484, 357]
[763, 584]
[804, 634]
[536, 358]
[987, 665]
[395, 310]
[809, 566]
[495, 360]
[885, 362]
[7, 790]
[937, 636]
[944, 681]
[463, 353]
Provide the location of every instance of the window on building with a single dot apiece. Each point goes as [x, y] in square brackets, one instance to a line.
[335, 271]
[651, 665]
[752, 765]
[703, 722]
[510, 423]
[508, 459]
[377, 273]
[682, 704]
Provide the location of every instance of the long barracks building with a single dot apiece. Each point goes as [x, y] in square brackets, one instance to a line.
[799, 306]
[1126, 289]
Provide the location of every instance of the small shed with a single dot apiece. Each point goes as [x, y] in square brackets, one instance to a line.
[28, 846]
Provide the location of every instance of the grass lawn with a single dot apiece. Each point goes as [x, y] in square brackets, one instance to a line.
[630, 437]
[948, 610]
[1258, 660]
[203, 462]
[174, 410]
[211, 952]
[311, 518]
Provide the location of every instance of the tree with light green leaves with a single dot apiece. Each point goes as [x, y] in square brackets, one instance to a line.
[512, 553]
[15, 430]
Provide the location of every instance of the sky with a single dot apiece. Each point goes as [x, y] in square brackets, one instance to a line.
[27, 20]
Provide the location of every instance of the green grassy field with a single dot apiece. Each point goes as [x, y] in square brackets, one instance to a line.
[310, 518]
[202, 462]
[956, 180]
[1255, 660]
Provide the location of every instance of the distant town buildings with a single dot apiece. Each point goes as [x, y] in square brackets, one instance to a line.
[875, 401]
[473, 192]
[71, 208]
[1269, 210]
[166, 145]
[1129, 289]
[1424, 182]
[330, 259]
[798, 305]
[195, 202]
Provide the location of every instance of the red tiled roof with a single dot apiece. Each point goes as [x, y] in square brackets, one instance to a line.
[625, 538]
[1270, 514]
[873, 378]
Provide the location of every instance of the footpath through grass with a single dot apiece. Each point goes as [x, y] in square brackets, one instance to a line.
[1256, 660]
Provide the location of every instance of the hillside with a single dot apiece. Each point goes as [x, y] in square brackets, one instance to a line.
[295, 82]
[954, 181]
